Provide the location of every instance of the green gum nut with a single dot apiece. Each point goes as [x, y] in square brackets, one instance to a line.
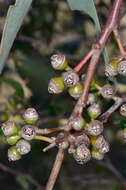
[9, 128]
[94, 111]
[76, 91]
[56, 85]
[13, 139]
[30, 116]
[13, 154]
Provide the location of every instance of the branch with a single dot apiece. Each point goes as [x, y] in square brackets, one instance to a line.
[55, 170]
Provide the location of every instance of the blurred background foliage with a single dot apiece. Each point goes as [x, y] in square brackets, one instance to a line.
[51, 27]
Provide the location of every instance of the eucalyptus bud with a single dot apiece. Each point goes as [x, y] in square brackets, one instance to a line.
[78, 123]
[82, 154]
[94, 110]
[59, 62]
[70, 78]
[101, 145]
[122, 68]
[9, 128]
[56, 85]
[91, 99]
[107, 91]
[23, 147]
[123, 110]
[97, 155]
[28, 132]
[30, 116]
[76, 91]
[13, 139]
[94, 128]
[13, 154]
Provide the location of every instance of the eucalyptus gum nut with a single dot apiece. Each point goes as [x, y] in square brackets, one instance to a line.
[91, 99]
[78, 123]
[13, 154]
[123, 110]
[110, 70]
[13, 139]
[56, 85]
[102, 145]
[94, 111]
[107, 91]
[9, 128]
[30, 116]
[76, 91]
[82, 154]
[28, 132]
[122, 68]
[23, 147]
[70, 78]
[94, 128]
[59, 62]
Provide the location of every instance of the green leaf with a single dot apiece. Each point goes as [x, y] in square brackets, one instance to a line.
[14, 19]
[16, 85]
[88, 6]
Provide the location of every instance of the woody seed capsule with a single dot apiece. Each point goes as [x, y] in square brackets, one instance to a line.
[13, 154]
[30, 116]
[28, 132]
[23, 147]
[97, 155]
[70, 78]
[9, 128]
[123, 110]
[58, 61]
[76, 91]
[94, 128]
[56, 85]
[122, 68]
[94, 110]
[102, 145]
[78, 123]
[107, 91]
[82, 154]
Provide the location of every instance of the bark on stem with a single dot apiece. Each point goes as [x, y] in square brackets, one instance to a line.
[55, 170]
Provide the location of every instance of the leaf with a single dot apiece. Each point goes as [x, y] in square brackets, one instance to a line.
[15, 85]
[88, 6]
[14, 19]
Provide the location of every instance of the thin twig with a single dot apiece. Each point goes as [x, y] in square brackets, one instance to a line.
[119, 42]
[43, 138]
[84, 61]
[55, 170]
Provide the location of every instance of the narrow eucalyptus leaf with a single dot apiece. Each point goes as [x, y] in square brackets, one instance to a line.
[14, 19]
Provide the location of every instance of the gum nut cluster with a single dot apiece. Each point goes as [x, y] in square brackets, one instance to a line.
[115, 66]
[68, 80]
[107, 91]
[19, 137]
